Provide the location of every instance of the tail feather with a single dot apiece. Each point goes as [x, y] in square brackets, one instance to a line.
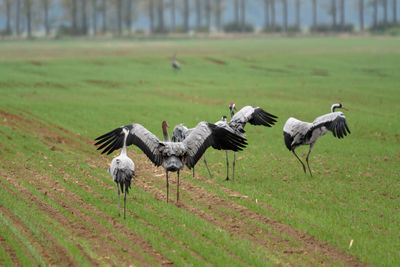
[123, 179]
[288, 140]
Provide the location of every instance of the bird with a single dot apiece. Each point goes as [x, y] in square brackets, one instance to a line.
[248, 114]
[297, 133]
[179, 134]
[122, 169]
[172, 156]
[175, 63]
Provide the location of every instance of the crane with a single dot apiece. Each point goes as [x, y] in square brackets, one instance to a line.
[173, 155]
[297, 133]
[122, 169]
[248, 114]
[179, 134]
[175, 63]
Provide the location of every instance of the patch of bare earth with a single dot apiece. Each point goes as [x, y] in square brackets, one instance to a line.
[268, 69]
[10, 252]
[49, 250]
[25, 196]
[104, 83]
[215, 61]
[49, 85]
[35, 63]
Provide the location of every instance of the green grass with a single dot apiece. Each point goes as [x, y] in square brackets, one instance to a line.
[90, 87]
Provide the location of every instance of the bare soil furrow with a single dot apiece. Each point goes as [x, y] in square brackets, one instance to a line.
[160, 195]
[308, 243]
[148, 224]
[52, 253]
[234, 226]
[25, 196]
[105, 242]
[10, 252]
[320, 251]
[15, 121]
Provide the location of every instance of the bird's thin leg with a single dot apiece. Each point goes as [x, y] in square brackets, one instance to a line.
[205, 162]
[234, 163]
[119, 214]
[304, 167]
[177, 190]
[167, 186]
[125, 204]
[308, 154]
[227, 166]
[193, 171]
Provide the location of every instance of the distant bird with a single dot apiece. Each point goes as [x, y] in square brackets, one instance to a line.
[122, 169]
[179, 134]
[175, 63]
[248, 114]
[297, 133]
[173, 156]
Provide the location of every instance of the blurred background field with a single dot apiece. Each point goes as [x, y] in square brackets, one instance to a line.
[176, 18]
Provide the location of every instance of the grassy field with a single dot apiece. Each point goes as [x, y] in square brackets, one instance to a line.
[58, 204]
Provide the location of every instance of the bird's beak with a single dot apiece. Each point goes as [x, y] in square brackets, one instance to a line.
[234, 108]
[345, 108]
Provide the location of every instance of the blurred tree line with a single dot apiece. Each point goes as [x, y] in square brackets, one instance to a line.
[118, 17]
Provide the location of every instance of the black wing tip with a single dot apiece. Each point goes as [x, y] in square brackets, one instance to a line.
[267, 113]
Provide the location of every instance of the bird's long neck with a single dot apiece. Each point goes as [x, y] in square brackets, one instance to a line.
[232, 112]
[165, 134]
[333, 107]
[123, 152]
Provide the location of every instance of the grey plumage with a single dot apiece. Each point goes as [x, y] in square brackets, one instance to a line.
[175, 63]
[179, 133]
[122, 169]
[173, 155]
[248, 114]
[297, 133]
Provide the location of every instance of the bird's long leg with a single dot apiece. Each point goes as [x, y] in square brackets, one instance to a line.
[227, 166]
[308, 154]
[205, 162]
[234, 163]
[193, 171]
[304, 167]
[167, 185]
[119, 214]
[177, 190]
[125, 204]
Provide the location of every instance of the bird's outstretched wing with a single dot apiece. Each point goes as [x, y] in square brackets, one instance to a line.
[253, 115]
[334, 122]
[138, 136]
[207, 134]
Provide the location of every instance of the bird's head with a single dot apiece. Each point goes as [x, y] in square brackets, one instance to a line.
[164, 124]
[223, 118]
[337, 105]
[232, 106]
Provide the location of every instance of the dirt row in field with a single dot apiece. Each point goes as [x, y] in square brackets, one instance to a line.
[83, 225]
[238, 224]
[225, 213]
